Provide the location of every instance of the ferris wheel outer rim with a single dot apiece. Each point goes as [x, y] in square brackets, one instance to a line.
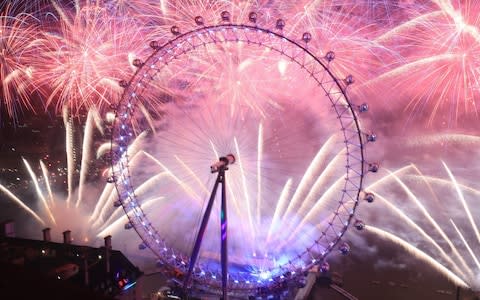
[342, 88]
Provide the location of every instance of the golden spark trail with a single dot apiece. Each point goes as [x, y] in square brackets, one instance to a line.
[429, 186]
[414, 225]
[108, 192]
[185, 187]
[431, 220]
[104, 197]
[320, 181]
[104, 203]
[308, 176]
[39, 191]
[97, 118]
[47, 182]
[86, 150]
[464, 203]
[138, 191]
[150, 183]
[190, 171]
[329, 192]
[386, 177]
[282, 201]
[20, 202]
[123, 218]
[104, 148]
[466, 244]
[444, 138]
[214, 150]
[108, 204]
[448, 183]
[405, 68]
[418, 254]
[69, 151]
[244, 183]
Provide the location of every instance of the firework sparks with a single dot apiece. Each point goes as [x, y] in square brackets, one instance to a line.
[453, 243]
[56, 211]
[427, 53]
[87, 58]
[259, 202]
[418, 253]
[440, 73]
[226, 91]
[20, 42]
[98, 43]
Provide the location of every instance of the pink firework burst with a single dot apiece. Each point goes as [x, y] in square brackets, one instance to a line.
[347, 29]
[87, 57]
[19, 44]
[439, 62]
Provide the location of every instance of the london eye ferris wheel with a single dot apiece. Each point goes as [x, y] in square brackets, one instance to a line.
[248, 109]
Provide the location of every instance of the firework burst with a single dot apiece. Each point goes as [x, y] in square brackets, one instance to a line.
[418, 57]
[87, 58]
[437, 217]
[437, 67]
[83, 202]
[20, 44]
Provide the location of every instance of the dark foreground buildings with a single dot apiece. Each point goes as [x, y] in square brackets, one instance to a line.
[31, 269]
[41, 269]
